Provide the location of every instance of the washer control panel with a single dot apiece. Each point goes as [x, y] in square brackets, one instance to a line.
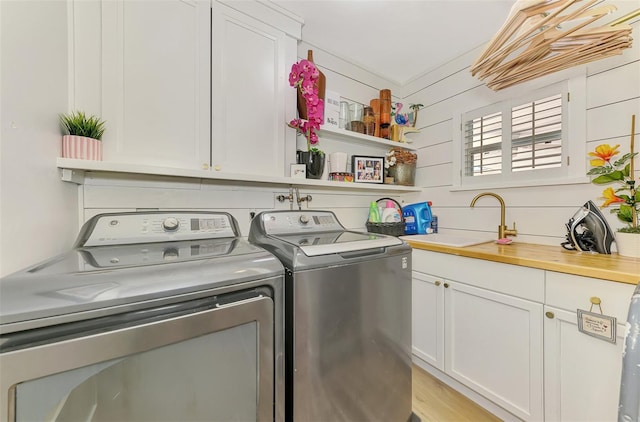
[129, 228]
[299, 221]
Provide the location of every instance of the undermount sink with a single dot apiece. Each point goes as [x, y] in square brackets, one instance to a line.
[459, 241]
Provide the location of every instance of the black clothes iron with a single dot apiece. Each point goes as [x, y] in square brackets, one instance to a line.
[588, 231]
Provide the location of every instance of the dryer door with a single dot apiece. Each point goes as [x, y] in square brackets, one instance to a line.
[206, 359]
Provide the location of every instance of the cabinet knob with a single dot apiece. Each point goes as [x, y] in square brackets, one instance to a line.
[549, 314]
[446, 285]
[437, 283]
[205, 166]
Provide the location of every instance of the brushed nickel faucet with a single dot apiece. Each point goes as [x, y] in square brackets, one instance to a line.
[503, 231]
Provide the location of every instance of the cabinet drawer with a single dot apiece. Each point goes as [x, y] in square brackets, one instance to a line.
[523, 282]
[573, 292]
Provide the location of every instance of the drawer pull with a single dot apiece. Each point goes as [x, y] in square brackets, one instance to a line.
[549, 314]
[437, 283]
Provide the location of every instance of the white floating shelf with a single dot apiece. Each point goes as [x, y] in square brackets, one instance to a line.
[72, 171]
[364, 139]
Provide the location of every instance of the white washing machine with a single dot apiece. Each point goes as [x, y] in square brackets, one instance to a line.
[152, 316]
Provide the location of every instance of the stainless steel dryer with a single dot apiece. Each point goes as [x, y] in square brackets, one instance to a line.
[152, 316]
[347, 318]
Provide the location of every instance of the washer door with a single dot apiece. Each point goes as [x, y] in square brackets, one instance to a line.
[208, 359]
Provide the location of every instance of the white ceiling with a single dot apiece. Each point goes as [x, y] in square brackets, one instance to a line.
[398, 39]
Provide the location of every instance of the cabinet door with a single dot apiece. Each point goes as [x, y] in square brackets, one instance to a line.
[582, 373]
[494, 346]
[427, 304]
[248, 94]
[156, 82]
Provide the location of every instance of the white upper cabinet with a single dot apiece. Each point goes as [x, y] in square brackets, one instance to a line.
[187, 83]
[155, 80]
[249, 77]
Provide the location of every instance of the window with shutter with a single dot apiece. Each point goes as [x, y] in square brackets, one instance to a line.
[508, 140]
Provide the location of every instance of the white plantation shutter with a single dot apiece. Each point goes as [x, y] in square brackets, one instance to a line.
[536, 134]
[516, 136]
[483, 145]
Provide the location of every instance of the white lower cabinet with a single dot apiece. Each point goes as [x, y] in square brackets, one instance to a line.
[487, 340]
[493, 345]
[582, 373]
[510, 334]
[428, 319]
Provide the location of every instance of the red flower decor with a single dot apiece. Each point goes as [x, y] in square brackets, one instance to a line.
[304, 76]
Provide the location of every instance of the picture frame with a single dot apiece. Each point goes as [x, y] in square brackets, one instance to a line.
[298, 171]
[367, 169]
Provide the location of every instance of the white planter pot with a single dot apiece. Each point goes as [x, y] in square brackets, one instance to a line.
[628, 244]
[81, 147]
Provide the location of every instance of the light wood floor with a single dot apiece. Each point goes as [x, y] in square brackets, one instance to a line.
[434, 401]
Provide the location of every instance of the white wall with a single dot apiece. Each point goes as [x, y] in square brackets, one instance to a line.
[38, 212]
[540, 212]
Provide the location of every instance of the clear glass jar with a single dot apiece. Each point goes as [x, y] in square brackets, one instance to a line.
[357, 111]
[369, 120]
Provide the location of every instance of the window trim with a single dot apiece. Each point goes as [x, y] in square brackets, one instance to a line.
[574, 139]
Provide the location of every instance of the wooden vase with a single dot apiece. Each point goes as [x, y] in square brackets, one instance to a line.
[321, 83]
[302, 106]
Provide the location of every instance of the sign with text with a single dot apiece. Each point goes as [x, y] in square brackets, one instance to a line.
[597, 325]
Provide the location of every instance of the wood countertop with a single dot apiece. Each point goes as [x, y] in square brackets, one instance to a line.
[553, 258]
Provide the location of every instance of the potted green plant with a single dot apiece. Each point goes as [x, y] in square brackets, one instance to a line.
[82, 136]
[625, 200]
[304, 77]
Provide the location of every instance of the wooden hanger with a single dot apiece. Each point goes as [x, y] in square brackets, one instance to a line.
[545, 36]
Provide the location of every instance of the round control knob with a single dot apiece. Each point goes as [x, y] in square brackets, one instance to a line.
[304, 219]
[170, 224]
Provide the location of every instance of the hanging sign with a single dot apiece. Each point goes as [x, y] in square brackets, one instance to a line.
[597, 325]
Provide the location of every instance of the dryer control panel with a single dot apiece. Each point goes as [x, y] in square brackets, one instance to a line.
[283, 222]
[150, 227]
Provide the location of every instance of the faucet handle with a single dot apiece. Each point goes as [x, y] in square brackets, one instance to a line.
[511, 232]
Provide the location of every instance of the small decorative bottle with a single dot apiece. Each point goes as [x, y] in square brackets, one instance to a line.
[369, 120]
[385, 112]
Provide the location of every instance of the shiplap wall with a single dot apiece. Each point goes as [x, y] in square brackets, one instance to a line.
[104, 192]
[540, 212]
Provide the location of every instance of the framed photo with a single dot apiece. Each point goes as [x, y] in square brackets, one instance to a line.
[368, 169]
[298, 171]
